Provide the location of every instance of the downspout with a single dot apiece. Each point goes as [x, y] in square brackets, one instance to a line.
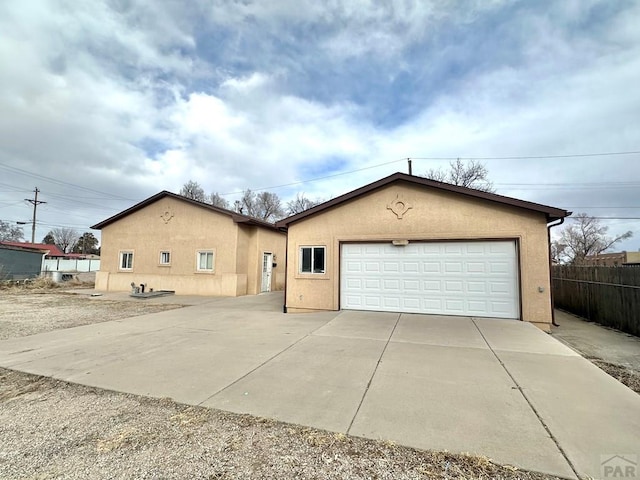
[553, 312]
[286, 268]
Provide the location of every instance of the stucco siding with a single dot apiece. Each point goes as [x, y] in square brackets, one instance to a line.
[433, 215]
[272, 242]
[182, 230]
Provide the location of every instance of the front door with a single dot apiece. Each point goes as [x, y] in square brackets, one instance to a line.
[267, 265]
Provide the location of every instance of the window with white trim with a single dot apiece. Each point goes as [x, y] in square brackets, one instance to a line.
[165, 258]
[205, 259]
[126, 260]
[312, 259]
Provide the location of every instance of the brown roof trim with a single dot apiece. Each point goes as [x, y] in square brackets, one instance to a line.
[236, 217]
[551, 213]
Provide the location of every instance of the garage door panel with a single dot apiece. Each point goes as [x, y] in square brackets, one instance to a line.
[500, 287]
[500, 267]
[352, 266]
[448, 278]
[500, 307]
[453, 286]
[411, 286]
[454, 305]
[431, 285]
[391, 267]
[431, 267]
[410, 303]
[410, 267]
[392, 285]
[476, 306]
[373, 284]
[453, 267]
[475, 267]
[474, 287]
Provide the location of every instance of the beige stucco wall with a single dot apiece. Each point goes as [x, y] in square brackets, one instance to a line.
[257, 242]
[182, 229]
[435, 215]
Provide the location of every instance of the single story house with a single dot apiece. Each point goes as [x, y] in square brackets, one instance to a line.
[170, 242]
[409, 244]
[18, 262]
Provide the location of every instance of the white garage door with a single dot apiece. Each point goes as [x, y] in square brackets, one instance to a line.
[477, 279]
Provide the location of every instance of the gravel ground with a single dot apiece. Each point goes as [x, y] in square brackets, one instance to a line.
[625, 375]
[27, 312]
[55, 430]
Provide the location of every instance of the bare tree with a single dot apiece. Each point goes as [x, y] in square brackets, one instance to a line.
[217, 201]
[10, 233]
[300, 204]
[471, 175]
[65, 238]
[585, 237]
[194, 191]
[557, 252]
[263, 205]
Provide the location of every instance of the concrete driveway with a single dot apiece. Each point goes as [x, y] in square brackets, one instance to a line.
[499, 388]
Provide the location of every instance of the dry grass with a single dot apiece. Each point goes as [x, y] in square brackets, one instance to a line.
[625, 375]
[38, 309]
[41, 284]
[52, 429]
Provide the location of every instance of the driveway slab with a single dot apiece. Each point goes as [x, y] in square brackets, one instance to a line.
[319, 381]
[438, 330]
[458, 399]
[495, 387]
[592, 415]
[594, 340]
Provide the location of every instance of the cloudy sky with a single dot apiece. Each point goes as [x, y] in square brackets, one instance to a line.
[105, 103]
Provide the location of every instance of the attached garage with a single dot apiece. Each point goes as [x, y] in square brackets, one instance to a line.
[478, 278]
[409, 244]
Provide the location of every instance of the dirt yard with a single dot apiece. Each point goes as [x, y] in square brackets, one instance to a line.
[27, 312]
[56, 430]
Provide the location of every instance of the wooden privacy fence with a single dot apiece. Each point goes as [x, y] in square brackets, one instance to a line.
[607, 295]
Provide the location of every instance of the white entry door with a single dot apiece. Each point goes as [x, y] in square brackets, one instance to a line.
[477, 279]
[267, 267]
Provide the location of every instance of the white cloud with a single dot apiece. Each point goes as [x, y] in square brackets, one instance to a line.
[131, 97]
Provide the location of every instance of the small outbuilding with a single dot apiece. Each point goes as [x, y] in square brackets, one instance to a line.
[409, 244]
[19, 262]
[170, 242]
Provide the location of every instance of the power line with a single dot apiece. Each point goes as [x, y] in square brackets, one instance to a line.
[318, 178]
[530, 157]
[59, 182]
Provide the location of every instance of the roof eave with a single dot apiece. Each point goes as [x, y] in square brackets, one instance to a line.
[551, 213]
[236, 217]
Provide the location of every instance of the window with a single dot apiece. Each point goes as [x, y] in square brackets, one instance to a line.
[205, 261]
[312, 259]
[165, 258]
[126, 260]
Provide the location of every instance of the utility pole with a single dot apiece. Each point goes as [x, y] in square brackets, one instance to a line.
[410, 169]
[35, 202]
